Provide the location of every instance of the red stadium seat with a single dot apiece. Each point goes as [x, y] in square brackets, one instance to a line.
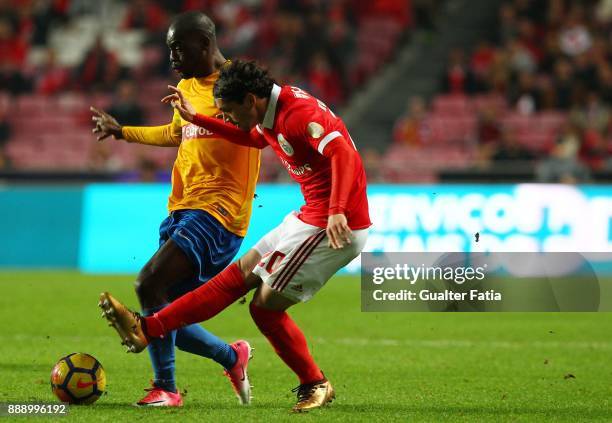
[551, 120]
[518, 122]
[458, 129]
[73, 103]
[414, 164]
[5, 102]
[452, 104]
[35, 105]
[490, 102]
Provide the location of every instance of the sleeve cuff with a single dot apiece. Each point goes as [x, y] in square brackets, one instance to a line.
[124, 135]
[327, 139]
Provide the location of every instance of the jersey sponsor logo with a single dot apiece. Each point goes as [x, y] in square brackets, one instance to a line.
[297, 170]
[192, 131]
[315, 130]
[284, 144]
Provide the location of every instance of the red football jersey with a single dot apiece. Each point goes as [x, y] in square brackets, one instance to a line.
[299, 127]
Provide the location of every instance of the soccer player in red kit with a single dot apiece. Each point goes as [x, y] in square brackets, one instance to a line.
[293, 261]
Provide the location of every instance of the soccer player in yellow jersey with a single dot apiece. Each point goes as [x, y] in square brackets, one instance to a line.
[213, 185]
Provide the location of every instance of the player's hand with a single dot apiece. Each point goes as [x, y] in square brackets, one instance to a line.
[106, 125]
[180, 103]
[338, 232]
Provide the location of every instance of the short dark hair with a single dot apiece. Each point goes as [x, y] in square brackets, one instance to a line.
[195, 21]
[240, 77]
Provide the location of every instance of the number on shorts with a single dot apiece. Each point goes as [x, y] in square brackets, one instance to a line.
[271, 266]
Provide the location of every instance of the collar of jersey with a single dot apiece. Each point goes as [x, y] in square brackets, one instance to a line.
[203, 81]
[268, 121]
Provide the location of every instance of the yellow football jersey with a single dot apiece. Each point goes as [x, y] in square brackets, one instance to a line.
[210, 173]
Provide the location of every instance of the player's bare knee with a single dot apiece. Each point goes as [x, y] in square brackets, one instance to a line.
[257, 300]
[252, 281]
[260, 299]
[257, 303]
[247, 262]
[269, 299]
[243, 267]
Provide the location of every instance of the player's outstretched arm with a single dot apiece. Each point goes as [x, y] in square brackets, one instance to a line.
[230, 132]
[106, 126]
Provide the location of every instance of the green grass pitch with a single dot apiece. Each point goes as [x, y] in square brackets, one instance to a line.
[385, 367]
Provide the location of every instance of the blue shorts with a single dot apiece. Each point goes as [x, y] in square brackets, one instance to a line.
[209, 246]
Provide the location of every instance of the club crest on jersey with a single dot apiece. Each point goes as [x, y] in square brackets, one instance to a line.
[284, 144]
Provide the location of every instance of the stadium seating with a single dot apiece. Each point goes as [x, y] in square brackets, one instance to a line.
[451, 138]
[44, 124]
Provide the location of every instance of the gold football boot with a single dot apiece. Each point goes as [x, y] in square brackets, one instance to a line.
[128, 324]
[313, 395]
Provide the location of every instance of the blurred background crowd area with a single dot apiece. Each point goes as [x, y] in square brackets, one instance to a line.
[535, 93]
[59, 56]
[538, 90]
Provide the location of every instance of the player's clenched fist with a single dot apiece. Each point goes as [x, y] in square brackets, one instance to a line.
[338, 231]
[106, 125]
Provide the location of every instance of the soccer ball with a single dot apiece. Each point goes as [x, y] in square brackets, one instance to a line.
[78, 378]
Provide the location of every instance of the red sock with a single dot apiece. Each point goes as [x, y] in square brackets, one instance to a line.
[288, 342]
[200, 304]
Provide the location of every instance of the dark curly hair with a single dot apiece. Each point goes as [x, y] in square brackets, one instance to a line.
[239, 77]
